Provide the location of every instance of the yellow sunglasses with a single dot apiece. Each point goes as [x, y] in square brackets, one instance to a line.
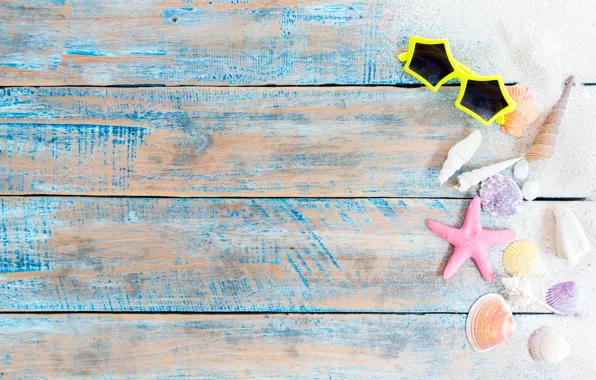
[485, 98]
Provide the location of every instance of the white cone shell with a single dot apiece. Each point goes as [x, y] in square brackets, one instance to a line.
[473, 178]
[572, 242]
[459, 154]
[548, 345]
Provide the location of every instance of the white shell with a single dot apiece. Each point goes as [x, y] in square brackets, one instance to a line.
[473, 178]
[521, 169]
[459, 154]
[531, 190]
[572, 242]
[548, 345]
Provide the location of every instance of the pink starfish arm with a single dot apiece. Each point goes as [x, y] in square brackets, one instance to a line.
[457, 258]
[492, 237]
[473, 221]
[483, 263]
[443, 231]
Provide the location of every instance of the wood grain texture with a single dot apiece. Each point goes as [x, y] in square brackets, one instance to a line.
[259, 142]
[271, 346]
[82, 42]
[257, 255]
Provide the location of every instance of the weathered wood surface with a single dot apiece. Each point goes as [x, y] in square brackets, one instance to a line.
[288, 142]
[258, 255]
[282, 42]
[273, 346]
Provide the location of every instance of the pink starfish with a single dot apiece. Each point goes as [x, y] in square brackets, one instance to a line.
[470, 241]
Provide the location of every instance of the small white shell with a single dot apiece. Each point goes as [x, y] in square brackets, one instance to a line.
[531, 190]
[459, 154]
[521, 169]
[572, 242]
[548, 345]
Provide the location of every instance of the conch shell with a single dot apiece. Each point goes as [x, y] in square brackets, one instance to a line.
[490, 322]
[526, 112]
[473, 178]
[572, 242]
[459, 154]
[544, 145]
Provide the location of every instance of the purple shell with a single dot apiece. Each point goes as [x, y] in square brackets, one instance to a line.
[500, 196]
[563, 297]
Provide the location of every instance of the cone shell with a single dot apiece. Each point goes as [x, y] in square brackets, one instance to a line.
[522, 258]
[526, 112]
[563, 297]
[548, 345]
[490, 322]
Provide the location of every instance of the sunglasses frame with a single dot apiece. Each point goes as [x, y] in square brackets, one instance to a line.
[461, 72]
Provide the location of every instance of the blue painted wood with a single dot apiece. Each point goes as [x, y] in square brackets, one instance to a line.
[225, 255]
[276, 346]
[242, 141]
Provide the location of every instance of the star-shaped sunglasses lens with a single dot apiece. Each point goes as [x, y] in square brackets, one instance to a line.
[431, 62]
[484, 98]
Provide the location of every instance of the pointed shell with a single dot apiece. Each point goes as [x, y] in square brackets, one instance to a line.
[548, 345]
[526, 112]
[523, 258]
[489, 323]
[563, 297]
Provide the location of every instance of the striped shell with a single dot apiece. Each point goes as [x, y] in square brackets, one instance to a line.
[526, 112]
[563, 297]
[523, 258]
[489, 323]
[548, 345]
[544, 145]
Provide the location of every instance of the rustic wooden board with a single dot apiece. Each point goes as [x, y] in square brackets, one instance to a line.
[354, 141]
[257, 255]
[80, 42]
[276, 346]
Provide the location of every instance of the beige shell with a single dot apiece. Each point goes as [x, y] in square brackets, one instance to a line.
[548, 345]
[544, 145]
[526, 112]
[523, 258]
[490, 322]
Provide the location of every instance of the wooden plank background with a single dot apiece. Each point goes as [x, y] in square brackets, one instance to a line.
[355, 141]
[256, 255]
[248, 42]
[276, 346]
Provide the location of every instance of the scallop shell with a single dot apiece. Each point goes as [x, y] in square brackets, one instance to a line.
[523, 258]
[489, 323]
[500, 195]
[548, 345]
[526, 112]
[563, 298]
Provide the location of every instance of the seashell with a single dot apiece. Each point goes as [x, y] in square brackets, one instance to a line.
[544, 145]
[489, 323]
[563, 298]
[500, 196]
[522, 258]
[526, 112]
[531, 190]
[473, 178]
[572, 242]
[548, 345]
[459, 154]
[521, 169]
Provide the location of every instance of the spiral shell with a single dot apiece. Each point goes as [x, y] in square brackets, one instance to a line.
[489, 323]
[563, 298]
[548, 345]
[526, 112]
[544, 145]
[522, 258]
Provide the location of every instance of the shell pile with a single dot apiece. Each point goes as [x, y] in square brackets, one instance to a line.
[548, 345]
[563, 298]
[523, 258]
[526, 112]
[490, 322]
[500, 196]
